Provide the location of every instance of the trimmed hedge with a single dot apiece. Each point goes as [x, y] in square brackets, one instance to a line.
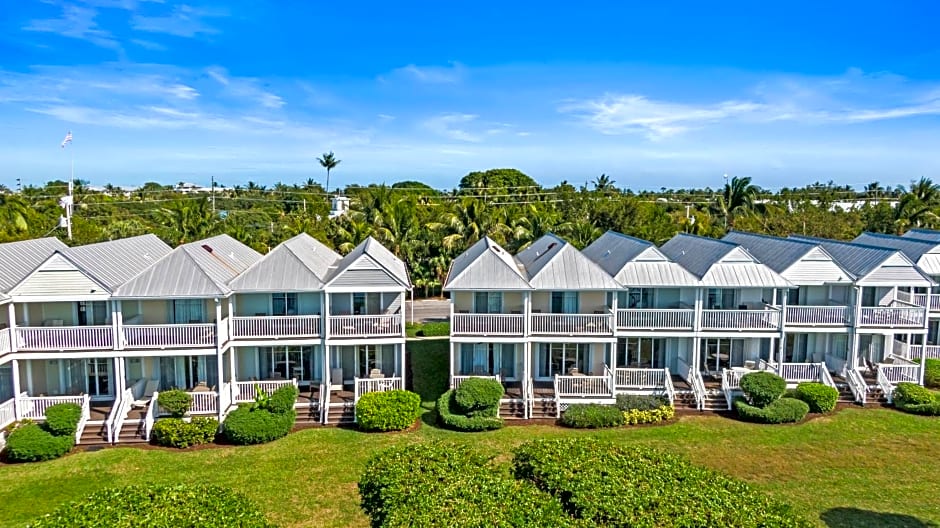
[820, 398]
[636, 416]
[640, 402]
[784, 410]
[281, 401]
[157, 507]
[912, 398]
[247, 426]
[176, 432]
[31, 443]
[446, 405]
[592, 416]
[601, 484]
[175, 401]
[62, 419]
[388, 411]
[762, 388]
[430, 368]
[479, 396]
[932, 373]
[438, 484]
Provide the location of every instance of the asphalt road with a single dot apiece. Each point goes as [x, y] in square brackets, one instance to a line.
[428, 310]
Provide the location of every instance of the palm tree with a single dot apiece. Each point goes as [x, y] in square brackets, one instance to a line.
[329, 162]
[916, 208]
[738, 196]
[603, 183]
[13, 211]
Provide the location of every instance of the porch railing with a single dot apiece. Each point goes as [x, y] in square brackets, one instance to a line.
[571, 324]
[365, 385]
[817, 315]
[731, 382]
[365, 325]
[275, 326]
[64, 337]
[929, 300]
[122, 406]
[670, 388]
[857, 385]
[225, 399]
[7, 412]
[488, 324]
[763, 364]
[35, 406]
[890, 375]
[204, 402]
[826, 377]
[528, 391]
[5, 341]
[892, 316]
[246, 391]
[916, 351]
[800, 372]
[698, 387]
[582, 386]
[654, 319]
[170, 335]
[152, 409]
[640, 378]
[741, 319]
[456, 381]
[83, 421]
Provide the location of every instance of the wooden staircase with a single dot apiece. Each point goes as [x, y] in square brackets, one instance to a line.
[341, 415]
[307, 415]
[544, 408]
[132, 432]
[714, 401]
[93, 434]
[512, 409]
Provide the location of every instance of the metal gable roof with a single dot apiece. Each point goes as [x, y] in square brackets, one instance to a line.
[722, 264]
[485, 266]
[553, 264]
[301, 263]
[19, 259]
[380, 254]
[694, 253]
[926, 253]
[923, 234]
[636, 262]
[863, 260]
[777, 253]
[114, 262]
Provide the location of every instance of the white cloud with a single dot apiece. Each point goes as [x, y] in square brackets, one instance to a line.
[149, 45]
[76, 22]
[245, 88]
[452, 74]
[183, 21]
[452, 126]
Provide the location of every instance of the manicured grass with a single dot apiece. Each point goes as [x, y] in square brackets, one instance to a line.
[431, 329]
[859, 467]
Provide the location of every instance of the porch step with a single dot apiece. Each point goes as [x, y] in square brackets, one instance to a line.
[93, 434]
[131, 433]
[341, 415]
[512, 410]
[307, 415]
[544, 409]
[714, 402]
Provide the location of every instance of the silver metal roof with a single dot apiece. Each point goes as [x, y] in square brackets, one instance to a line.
[115, 262]
[301, 263]
[925, 253]
[775, 252]
[861, 260]
[634, 262]
[197, 269]
[377, 252]
[551, 263]
[721, 264]
[486, 266]
[19, 259]
[923, 234]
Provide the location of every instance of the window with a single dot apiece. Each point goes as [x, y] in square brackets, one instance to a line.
[284, 304]
[188, 311]
[793, 297]
[565, 302]
[92, 313]
[720, 354]
[488, 302]
[640, 298]
[720, 299]
[641, 352]
[560, 358]
[488, 359]
[300, 362]
[366, 303]
[381, 357]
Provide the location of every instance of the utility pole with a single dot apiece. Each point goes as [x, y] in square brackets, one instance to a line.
[212, 190]
[67, 201]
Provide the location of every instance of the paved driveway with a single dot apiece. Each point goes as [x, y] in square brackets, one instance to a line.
[428, 310]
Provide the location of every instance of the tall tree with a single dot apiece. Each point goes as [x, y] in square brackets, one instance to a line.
[738, 196]
[329, 162]
[604, 184]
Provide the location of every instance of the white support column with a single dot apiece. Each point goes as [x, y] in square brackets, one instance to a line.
[783, 324]
[403, 364]
[231, 313]
[325, 318]
[613, 311]
[11, 314]
[219, 364]
[231, 365]
[117, 324]
[527, 310]
[121, 376]
[854, 336]
[17, 411]
[404, 332]
[450, 380]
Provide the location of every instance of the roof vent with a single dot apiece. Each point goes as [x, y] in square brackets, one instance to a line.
[207, 247]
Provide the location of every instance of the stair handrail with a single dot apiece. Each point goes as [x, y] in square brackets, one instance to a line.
[825, 377]
[531, 397]
[151, 416]
[323, 399]
[127, 398]
[726, 386]
[856, 384]
[670, 388]
[86, 415]
[698, 388]
[557, 399]
[885, 385]
[109, 421]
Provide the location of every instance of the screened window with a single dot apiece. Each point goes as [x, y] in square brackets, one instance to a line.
[720, 299]
[565, 302]
[640, 298]
[488, 302]
[284, 304]
[188, 311]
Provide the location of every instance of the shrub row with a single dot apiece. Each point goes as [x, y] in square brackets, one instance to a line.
[592, 416]
[449, 485]
[600, 484]
[784, 410]
[462, 422]
[55, 437]
[157, 507]
[932, 373]
[394, 410]
[820, 398]
[269, 418]
[912, 398]
[636, 416]
[640, 402]
[179, 433]
[175, 401]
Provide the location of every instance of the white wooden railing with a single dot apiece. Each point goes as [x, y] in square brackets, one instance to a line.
[582, 386]
[670, 388]
[169, 335]
[123, 407]
[928, 300]
[247, 391]
[365, 325]
[817, 315]
[488, 324]
[5, 341]
[204, 402]
[275, 326]
[915, 351]
[64, 337]
[35, 406]
[890, 375]
[825, 377]
[857, 385]
[152, 409]
[835, 363]
[83, 421]
[456, 381]
[741, 319]
[800, 372]
[886, 386]
[571, 324]
[654, 319]
[225, 399]
[698, 387]
[364, 385]
[892, 316]
[528, 391]
[640, 378]
[7, 413]
[731, 382]
[763, 364]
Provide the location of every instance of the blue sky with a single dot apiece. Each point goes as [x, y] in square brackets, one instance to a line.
[674, 94]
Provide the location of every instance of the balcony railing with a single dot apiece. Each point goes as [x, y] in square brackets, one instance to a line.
[169, 335]
[364, 385]
[365, 325]
[741, 319]
[275, 326]
[488, 324]
[817, 315]
[654, 319]
[5, 341]
[247, 391]
[571, 324]
[34, 407]
[455, 381]
[583, 386]
[929, 300]
[64, 337]
[892, 317]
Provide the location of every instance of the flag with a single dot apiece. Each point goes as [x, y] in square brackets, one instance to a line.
[67, 140]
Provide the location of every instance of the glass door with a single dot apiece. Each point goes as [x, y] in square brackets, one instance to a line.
[98, 377]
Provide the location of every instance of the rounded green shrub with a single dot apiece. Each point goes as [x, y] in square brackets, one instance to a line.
[784, 410]
[246, 426]
[762, 388]
[820, 398]
[157, 507]
[912, 398]
[175, 401]
[62, 419]
[177, 432]
[592, 416]
[393, 410]
[449, 414]
[282, 400]
[640, 402]
[932, 373]
[31, 443]
[479, 396]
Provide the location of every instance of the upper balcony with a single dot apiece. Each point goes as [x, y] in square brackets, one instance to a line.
[742, 320]
[655, 318]
[275, 326]
[816, 316]
[487, 324]
[897, 315]
[58, 338]
[568, 324]
[161, 336]
[358, 326]
[931, 301]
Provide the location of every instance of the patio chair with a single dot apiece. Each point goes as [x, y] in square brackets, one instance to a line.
[336, 379]
[150, 386]
[201, 387]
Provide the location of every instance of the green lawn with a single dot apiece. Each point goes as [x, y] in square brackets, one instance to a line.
[852, 469]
